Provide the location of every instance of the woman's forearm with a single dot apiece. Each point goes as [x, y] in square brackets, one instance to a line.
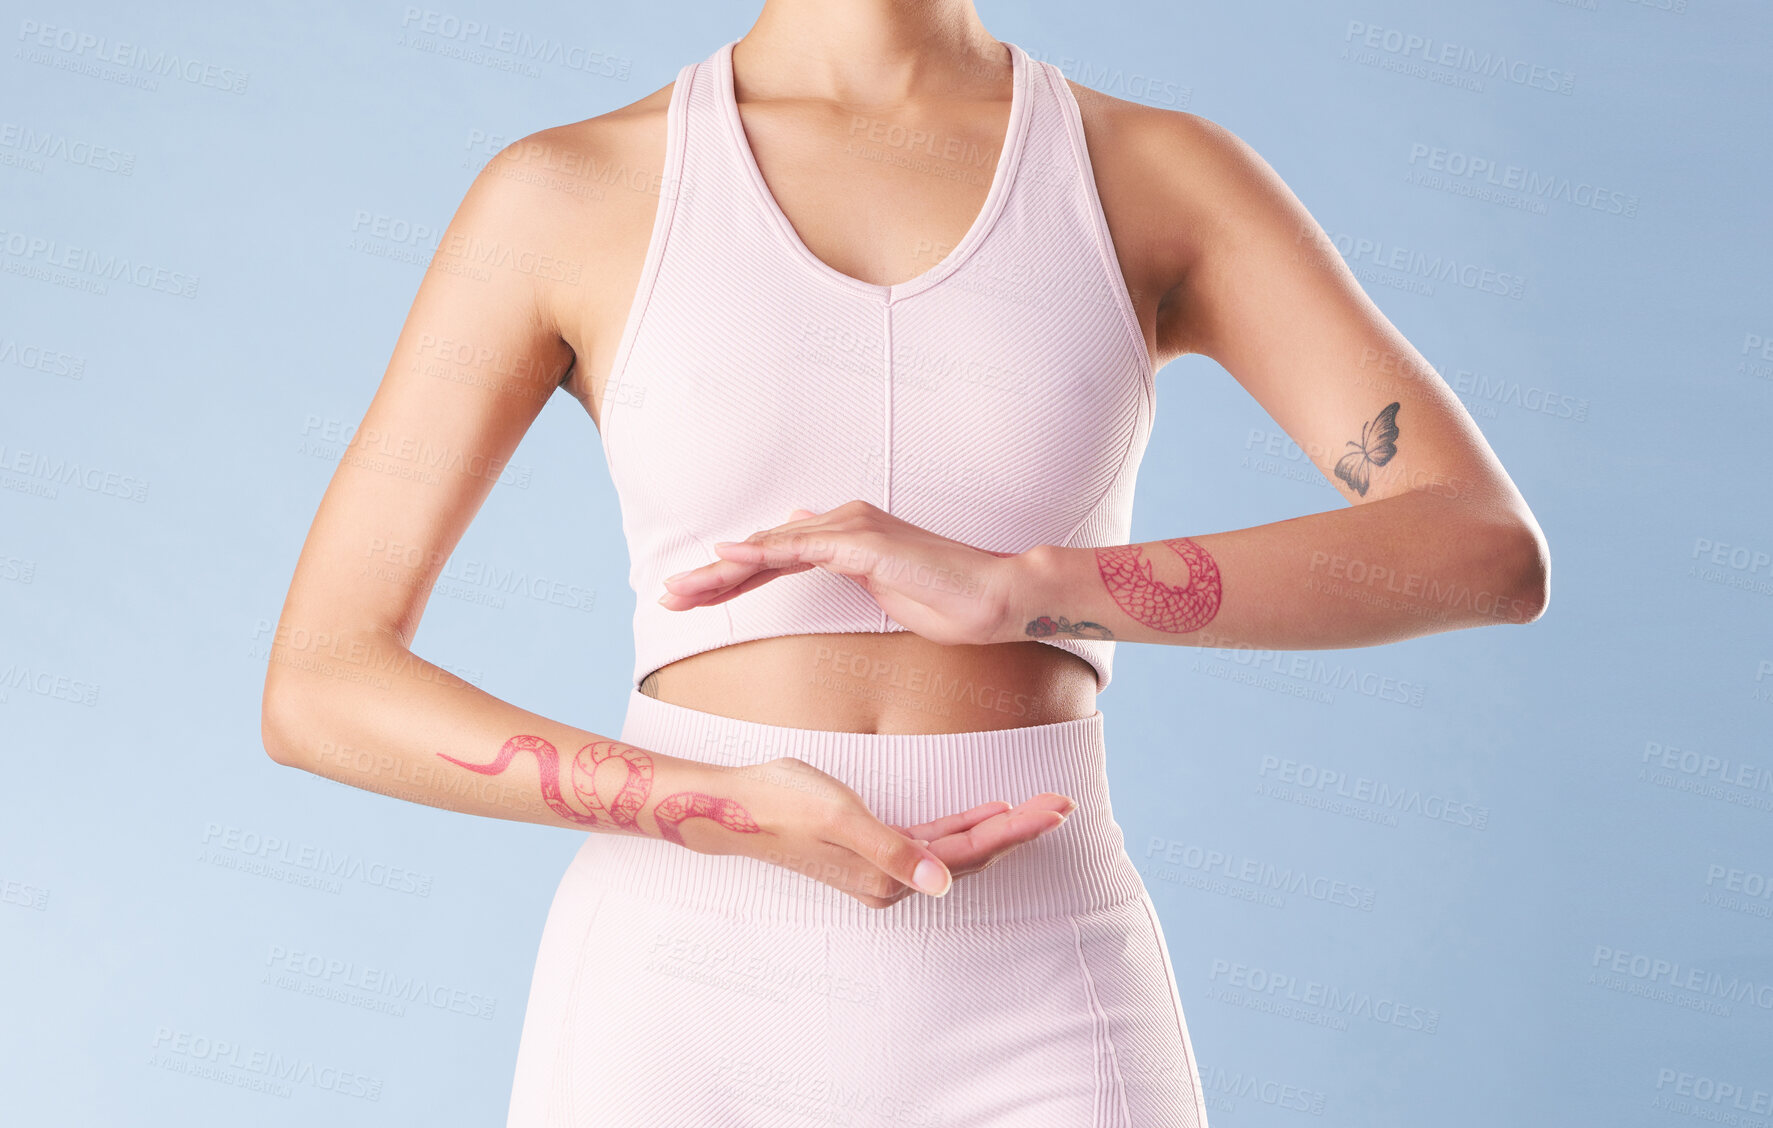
[365, 711]
[1414, 564]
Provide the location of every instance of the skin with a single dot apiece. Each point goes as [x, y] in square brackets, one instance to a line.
[1213, 248]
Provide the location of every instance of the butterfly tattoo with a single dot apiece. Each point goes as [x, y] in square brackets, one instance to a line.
[1378, 442]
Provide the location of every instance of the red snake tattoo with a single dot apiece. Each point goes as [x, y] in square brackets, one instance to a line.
[1164, 607]
[637, 784]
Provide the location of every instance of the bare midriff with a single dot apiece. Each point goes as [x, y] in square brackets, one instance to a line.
[896, 682]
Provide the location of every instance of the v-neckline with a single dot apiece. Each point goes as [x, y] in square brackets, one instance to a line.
[1008, 155]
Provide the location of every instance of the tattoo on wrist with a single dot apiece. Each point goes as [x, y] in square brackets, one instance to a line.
[1378, 442]
[1173, 608]
[1046, 627]
[590, 807]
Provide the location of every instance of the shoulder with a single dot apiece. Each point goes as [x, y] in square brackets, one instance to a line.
[579, 196]
[1183, 154]
[566, 170]
[1186, 189]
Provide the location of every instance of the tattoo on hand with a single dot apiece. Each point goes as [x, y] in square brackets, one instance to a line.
[1164, 607]
[637, 784]
[1378, 442]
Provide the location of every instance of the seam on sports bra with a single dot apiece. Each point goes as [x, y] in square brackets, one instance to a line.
[1120, 471]
[886, 460]
[1073, 118]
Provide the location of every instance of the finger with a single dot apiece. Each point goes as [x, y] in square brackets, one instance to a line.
[1045, 801]
[714, 574]
[844, 870]
[896, 856]
[755, 581]
[954, 824]
[776, 550]
[843, 551]
[995, 836]
[1004, 831]
[707, 585]
[722, 573]
[811, 520]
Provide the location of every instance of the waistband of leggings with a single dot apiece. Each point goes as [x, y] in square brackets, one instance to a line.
[904, 779]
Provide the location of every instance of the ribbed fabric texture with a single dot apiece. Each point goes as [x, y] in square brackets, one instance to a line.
[1002, 398]
[905, 779]
[675, 988]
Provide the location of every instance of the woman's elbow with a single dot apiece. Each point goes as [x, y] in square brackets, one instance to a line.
[279, 715]
[1528, 575]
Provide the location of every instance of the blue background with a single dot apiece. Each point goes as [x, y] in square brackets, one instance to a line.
[1586, 936]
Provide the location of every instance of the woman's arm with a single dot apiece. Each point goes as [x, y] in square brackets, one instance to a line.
[346, 697]
[1436, 537]
[1407, 565]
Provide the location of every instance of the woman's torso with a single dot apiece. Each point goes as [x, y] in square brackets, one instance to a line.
[880, 223]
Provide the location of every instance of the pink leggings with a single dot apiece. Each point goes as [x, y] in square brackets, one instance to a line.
[676, 988]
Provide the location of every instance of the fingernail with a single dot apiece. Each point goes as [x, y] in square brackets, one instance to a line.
[723, 544]
[921, 841]
[679, 575]
[929, 877]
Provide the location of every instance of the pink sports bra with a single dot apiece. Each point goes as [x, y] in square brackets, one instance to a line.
[1002, 398]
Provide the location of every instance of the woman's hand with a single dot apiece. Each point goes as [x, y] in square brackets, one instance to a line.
[814, 824]
[946, 591]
